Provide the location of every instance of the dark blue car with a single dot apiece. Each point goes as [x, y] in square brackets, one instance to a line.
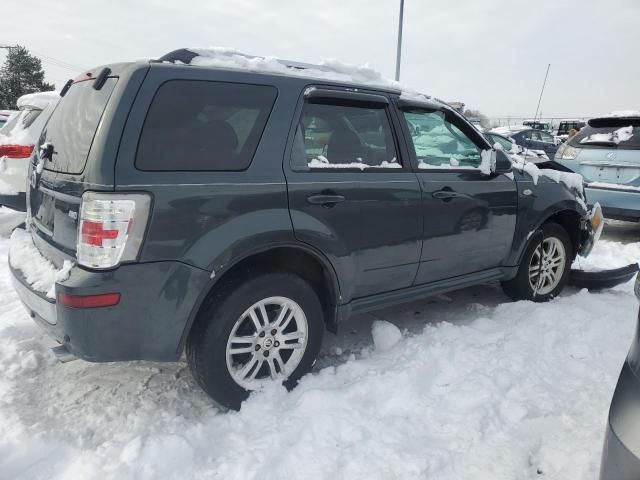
[530, 138]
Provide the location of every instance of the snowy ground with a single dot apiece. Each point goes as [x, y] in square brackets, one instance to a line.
[467, 386]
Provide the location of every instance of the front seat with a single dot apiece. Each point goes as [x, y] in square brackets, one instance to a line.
[345, 147]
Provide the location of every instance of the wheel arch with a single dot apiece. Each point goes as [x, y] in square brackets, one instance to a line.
[297, 258]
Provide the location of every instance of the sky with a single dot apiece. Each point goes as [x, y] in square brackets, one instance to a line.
[490, 54]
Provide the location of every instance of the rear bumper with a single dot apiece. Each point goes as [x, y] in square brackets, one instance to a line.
[621, 453]
[16, 202]
[148, 323]
[616, 204]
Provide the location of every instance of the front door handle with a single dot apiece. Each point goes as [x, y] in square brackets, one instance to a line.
[444, 194]
[325, 199]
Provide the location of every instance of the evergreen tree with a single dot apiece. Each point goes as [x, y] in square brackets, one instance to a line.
[21, 73]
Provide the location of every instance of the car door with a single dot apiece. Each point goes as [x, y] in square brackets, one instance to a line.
[352, 193]
[469, 216]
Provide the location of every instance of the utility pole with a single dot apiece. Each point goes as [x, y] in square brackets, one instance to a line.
[399, 51]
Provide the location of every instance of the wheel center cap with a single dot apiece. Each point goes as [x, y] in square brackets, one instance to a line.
[268, 342]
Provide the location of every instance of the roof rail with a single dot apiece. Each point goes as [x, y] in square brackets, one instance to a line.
[185, 55]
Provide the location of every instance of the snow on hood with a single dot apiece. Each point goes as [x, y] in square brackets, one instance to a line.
[327, 69]
[39, 100]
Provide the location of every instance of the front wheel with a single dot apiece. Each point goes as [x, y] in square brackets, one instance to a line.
[262, 329]
[545, 266]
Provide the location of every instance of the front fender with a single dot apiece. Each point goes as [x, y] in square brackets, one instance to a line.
[537, 203]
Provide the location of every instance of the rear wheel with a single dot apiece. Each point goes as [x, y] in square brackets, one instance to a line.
[263, 329]
[545, 267]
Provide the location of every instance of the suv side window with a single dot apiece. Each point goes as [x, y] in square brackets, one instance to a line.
[197, 125]
[439, 143]
[331, 135]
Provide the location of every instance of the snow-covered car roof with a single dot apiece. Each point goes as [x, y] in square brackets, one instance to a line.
[508, 130]
[328, 70]
[38, 100]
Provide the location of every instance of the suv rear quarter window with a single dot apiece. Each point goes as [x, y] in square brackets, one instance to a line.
[195, 125]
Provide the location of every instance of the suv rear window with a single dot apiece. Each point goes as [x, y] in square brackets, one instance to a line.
[195, 125]
[624, 137]
[73, 125]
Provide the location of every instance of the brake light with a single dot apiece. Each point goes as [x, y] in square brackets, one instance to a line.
[89, 301]
[16, 151]
[111, 228]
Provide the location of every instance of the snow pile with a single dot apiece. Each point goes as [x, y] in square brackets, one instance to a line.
[619, 135]
[39, 100]
[39, 272]
[488, 163]
[624, 113]
[607, 255]
[498, 391]
[385, 335]
[573, 181]
[323, 162]
[329, 69]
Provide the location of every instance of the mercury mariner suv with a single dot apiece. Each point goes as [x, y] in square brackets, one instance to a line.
[235, 207]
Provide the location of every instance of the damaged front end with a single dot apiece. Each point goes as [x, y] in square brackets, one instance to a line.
[592, 226]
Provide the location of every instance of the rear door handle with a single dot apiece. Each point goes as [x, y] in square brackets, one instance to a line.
[444, 194]
[325, 199]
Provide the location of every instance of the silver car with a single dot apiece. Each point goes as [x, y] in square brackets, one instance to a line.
[607, 154]
[621, 453]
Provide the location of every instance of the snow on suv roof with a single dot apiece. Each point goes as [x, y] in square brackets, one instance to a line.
[507, 130]
[331, 70]
[38, 100]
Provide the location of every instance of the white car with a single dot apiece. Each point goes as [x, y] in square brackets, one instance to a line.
[18, 137]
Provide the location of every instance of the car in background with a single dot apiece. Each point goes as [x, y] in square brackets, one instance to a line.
[537, 125]
[564, 127]
[606, 152]
[17, 139]
[621, 452]
[4, 116]
[510, 146]
[530, 138]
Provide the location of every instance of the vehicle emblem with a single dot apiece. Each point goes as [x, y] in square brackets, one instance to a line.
[527, 192]
[73, 214]
[611, 156]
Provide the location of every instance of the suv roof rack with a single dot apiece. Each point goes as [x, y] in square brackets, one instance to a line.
[186, 55]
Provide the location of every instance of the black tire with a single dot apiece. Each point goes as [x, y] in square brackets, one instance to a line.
[207, 341]
[519, 288]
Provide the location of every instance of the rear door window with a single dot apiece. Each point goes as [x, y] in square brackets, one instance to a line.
[197, 125]
[344, 136]
[73, 125]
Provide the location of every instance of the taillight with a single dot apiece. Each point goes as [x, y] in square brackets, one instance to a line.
[111, 228]
[16, 151]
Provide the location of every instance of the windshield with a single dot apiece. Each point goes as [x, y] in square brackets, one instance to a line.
[623, 137]
[73, 125]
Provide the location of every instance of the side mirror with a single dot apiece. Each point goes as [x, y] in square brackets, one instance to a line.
[503, 163]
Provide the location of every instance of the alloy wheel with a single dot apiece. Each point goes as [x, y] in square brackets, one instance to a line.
[267, 342]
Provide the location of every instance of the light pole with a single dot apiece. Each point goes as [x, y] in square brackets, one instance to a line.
[399, 51]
